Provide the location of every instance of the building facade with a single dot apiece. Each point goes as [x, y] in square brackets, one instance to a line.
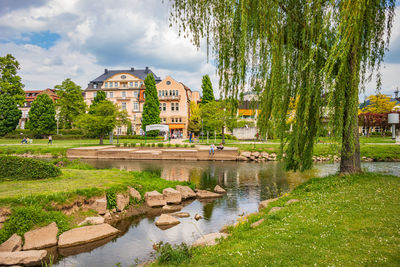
[30, 96]
[127, 89]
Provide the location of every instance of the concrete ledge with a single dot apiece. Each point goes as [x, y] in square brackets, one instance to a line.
[192, 154]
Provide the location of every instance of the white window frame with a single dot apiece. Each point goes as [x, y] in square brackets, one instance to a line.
[123, 105]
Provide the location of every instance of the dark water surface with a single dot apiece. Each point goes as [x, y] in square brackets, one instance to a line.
[246, 183]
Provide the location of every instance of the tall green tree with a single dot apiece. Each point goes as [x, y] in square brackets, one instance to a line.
[42, 116]
[194, 118]
[100, 96]
[10, 82]
[71, 102]
[207, 90]
[151, 110]
[9, 114]
[319, 51]
[102, 119]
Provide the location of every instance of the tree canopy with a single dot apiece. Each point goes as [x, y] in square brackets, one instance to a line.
[207, 90]
[9, 114]
[71, 102]
[151, 108]
[319, 51]
[100, 96]
[42, 116]
[102, 119]
[379, 103]
[10, 82]
[194, 118]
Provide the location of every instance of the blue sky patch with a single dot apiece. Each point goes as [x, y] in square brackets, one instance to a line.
[44, 39]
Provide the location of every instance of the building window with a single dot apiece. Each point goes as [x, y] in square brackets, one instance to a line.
[130, 84]
[123, 94]
[94, 94]
[116, 84]
[172, 106]
[111, 94]
[136, 84]
[95, 85]
[160, 107]
[123, 106]
[159, 93]
[168, 82]
[162, 92]
[164, 106]
[105, 85]
[135, 106]
[135, 93]
[173, 120]
[124, 85]
[170, 93]
[134, 117]
[180, 119]
[177, 106]
[177, 92]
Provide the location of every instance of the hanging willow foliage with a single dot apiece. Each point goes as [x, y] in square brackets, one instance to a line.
[318, 52]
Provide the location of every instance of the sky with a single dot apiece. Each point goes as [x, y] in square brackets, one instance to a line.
[78, 39]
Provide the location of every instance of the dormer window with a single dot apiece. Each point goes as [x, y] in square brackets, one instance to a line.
[95, 85]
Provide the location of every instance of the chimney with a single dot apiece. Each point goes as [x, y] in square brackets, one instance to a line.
[132, 69]
[146, 70]
[105, 71]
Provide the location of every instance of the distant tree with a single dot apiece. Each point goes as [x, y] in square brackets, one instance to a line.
[9, 114]
[102, 119]
[151, 108]
[379, 103]
[129, 130]
[10, 82]
[217, 116]
[206, 87]
[71, 102]
[42, 115]
[100, 96]
[195, 118]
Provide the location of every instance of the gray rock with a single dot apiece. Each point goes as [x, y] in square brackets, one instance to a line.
[86, 234]
[219, 190]
[166, 220]
[134, 194]
[43, 237]
[122, 202]
[264, 204]
[186, 191]
[206, 194]
[257, 223]
[172, 196]
[30, 257]
[100, 205]
[154, 199]
[14, 243]
[209, 240]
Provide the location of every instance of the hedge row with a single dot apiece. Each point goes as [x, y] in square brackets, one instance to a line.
[18, 168]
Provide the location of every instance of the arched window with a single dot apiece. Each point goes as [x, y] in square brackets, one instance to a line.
[163, 93]
[177, 106]
[164, 106]
[170, 93]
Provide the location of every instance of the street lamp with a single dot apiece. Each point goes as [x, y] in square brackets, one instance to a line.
[393, 119]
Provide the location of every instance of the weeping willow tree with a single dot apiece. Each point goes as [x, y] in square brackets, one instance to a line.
[320, 52]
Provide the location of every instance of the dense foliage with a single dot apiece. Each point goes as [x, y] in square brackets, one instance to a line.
[10, 82]
[9, 114]
[151, 108]
[207, 90]
[101, 119]
[100, 96]
[194, 118]
[319, 51]
[71, 102]
[18, 168]
[42, 114]
[379, 103]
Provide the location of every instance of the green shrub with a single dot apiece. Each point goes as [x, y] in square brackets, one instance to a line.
[160, 144]
[142, 144]
[172, 254]
[185, 145]
[148, 145]
[23, 219]
[192, 145]
[169, 145]
[19, 168]
[133, 144]
[153, 145]
[177, 145]
[117, 145]
[125, 144]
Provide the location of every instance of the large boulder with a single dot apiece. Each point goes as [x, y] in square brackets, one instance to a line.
[92, 220]
[209, 240]
[166, 220]
[219, 190]
[122, 202]
[134, 194]
[154, 199]
[100, 205]
[255, 154]
[172, 196]
[26, 258]
[206, 194]
[86, 234]
[246, 154]
[14, 243]
[43, 237]
[265, 203]
[186, 191]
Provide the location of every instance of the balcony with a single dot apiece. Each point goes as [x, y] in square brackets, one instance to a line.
[170, 98]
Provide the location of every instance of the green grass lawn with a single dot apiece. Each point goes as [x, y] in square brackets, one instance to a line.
[340, 221]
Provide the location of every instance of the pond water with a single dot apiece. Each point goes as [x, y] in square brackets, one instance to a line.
[247, 184]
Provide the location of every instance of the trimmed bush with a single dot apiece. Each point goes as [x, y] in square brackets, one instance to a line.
[19, 168]
[177, 145]
[160, 145]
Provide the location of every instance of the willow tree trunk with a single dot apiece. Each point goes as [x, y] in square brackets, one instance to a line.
[101, 139]
[350, 154]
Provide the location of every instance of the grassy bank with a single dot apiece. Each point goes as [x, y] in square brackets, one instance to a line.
[339, 221]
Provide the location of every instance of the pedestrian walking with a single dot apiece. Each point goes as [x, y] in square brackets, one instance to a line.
[50, 140]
